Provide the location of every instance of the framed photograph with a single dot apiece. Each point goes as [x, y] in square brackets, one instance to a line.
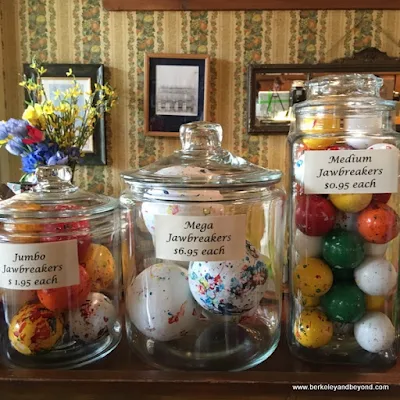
[175, 92]
[86, 75]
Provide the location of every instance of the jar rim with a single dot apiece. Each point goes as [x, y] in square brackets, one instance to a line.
[352, 103]
[8, 211]
[266, 178]
[54, 196]
[202, 163]
[346, 77]
[365, 85]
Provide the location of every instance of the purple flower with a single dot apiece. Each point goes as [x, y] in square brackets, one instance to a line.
[13, 127]
[58, 159]
[74, 153]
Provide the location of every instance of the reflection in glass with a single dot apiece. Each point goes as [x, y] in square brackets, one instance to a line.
[276, 94]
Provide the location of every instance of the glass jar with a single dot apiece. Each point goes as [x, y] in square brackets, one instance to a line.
[59, 274]
[344, 224]
[202, 248]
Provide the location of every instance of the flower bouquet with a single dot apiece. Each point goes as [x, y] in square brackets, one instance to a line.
[54, 132]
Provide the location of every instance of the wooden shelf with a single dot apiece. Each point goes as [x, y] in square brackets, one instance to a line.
[203, 5]
[121, 374]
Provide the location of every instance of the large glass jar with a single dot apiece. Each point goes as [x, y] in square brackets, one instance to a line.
[344, 224]
[202, 249]
[59, 274]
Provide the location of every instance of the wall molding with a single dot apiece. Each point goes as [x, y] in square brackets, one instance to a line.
[220, 5]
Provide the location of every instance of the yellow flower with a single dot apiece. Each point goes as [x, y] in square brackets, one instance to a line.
[91, 116]
[64, 107]
[57, 94]
[75, 91]
[69, 73]
[34, 115]
[108, 91]
[41, 71]
[48, 108]
[75, 109]
[31, 86]
[74, 114]
[54, 121]
[40, 93]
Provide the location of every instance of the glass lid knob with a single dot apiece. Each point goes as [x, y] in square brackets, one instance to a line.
[201, 136]
[54, 178]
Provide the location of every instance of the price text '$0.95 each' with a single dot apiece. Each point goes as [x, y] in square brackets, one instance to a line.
[345, 186]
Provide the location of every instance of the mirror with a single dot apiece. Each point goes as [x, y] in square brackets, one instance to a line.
[272, 89]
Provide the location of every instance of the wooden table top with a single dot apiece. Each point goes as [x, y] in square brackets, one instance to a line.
[122, 374]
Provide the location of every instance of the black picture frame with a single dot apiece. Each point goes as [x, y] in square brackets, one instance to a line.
[95, 72]
[368, 60]
[168, 125]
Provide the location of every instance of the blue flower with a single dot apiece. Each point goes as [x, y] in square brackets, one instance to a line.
[30, 162]
[3, 130]
[16, 147]
[43, 153]
[13, 127]
[44, 150]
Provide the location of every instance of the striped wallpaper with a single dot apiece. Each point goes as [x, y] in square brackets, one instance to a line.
[81, 31]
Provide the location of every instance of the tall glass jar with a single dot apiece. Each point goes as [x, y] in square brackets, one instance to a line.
[344, 223]
[59, 274]
[202, 249]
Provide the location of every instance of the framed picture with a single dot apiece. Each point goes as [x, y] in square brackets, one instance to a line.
[86, 75]
[175, 92]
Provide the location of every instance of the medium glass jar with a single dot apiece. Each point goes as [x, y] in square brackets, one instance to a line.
[59, 274]
[202, 248]
[344, 224]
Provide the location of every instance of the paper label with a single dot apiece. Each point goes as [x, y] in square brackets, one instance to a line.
[39, 266]
[211, 238]
[351, 171]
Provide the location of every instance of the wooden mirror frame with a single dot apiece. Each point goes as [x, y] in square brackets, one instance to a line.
[369, 60]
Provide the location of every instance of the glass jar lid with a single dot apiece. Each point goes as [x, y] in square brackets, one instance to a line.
[202, 164]
[351, 91]
[55, 196]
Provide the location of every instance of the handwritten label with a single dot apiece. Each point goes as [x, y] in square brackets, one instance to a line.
[351, 171]
[185, 238]
[39, 266]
